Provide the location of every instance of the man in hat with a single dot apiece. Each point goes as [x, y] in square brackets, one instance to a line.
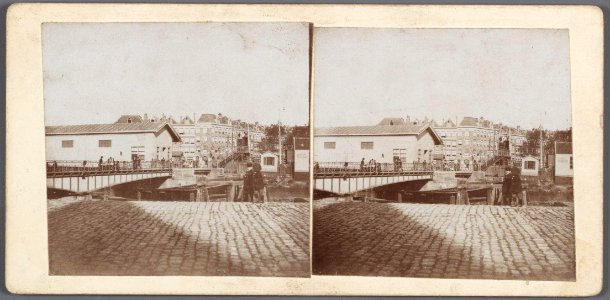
[248, 191]
[515, 187]
[506, 195]
[258, 183]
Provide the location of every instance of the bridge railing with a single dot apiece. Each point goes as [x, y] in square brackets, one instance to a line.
[322, 169]
[55, 168]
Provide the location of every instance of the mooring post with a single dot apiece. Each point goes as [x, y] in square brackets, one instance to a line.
[206, 194]
[399, 197]
[230, 192]
[198, 196]
[139, 195]
[524, 198]
[264, 195]
[490, 196]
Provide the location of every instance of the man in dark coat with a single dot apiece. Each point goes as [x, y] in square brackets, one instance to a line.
[515, 188]
[506, 195]
[248, 191]
[258, 183]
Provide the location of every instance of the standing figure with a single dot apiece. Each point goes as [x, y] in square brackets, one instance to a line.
[248, 191]
[506, 183]
[362, 165]
[100, 163]
[258, 183]
[515, 188]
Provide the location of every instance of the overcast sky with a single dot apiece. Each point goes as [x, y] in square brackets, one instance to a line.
[95, 72]
[518, 77]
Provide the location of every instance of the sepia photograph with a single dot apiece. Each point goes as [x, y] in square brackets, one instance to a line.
[177, 148]
[443, 153]
[304, 149]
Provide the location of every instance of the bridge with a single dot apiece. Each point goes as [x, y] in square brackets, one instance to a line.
[88, 176]
[349, 177]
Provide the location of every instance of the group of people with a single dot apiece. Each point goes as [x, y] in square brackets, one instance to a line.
[254, 184]
[512, 190]
[372, 166]
[110, 164]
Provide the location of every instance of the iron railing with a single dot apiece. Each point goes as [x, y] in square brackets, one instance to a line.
[88, 168]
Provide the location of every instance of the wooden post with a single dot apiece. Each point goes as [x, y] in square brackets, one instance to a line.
[524, 198]
[191, 196]
[266, 197]
[399, 197]
[206, 194]
[240, 193]
[198, 196]
[139, 195]
[490, 196]
[452, 199]
[230, 193]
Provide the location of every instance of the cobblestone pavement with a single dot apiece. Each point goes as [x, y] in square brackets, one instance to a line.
[179, 238]
[444, 241]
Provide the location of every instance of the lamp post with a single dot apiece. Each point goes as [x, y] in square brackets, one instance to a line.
[279, 134]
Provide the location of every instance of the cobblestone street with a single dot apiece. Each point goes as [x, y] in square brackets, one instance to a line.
[179, 238]
[444, 241]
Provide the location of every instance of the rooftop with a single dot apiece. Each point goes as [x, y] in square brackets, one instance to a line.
[110, 128]
[130, 119]
[372, 130]
[392, 121]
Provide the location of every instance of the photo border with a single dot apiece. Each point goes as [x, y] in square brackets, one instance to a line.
[26, 227]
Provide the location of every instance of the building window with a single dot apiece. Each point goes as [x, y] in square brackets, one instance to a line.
[530, 165]
[330, 145]
[67, 143]
[366, 145]
[105, 143]
[269, 161]
[571, 163]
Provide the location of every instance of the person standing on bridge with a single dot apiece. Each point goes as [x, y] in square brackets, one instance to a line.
[362, 165]
[101, 163]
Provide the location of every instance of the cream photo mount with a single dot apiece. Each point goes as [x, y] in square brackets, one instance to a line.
[26, 215]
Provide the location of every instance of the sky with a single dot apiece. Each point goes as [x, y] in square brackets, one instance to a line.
[519, 77]
[95, 72]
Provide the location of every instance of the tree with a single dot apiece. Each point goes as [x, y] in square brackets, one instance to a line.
[532, 146]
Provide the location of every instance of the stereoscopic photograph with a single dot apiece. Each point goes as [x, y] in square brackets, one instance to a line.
[177, 148]
[443, 153]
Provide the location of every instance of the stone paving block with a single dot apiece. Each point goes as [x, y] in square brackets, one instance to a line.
[179, 238]
[446, 241]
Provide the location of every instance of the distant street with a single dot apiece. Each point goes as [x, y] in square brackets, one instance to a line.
[178, 238]
[443, 241]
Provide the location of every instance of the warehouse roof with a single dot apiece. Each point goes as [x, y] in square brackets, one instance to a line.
[379, 130]
[112, 128]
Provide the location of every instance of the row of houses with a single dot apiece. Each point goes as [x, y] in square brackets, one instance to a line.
[210, 137]
[474, 141]
[134, 137]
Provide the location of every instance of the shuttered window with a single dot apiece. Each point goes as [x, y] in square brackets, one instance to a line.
[67, 143]
[105, 143]
[366, 145]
